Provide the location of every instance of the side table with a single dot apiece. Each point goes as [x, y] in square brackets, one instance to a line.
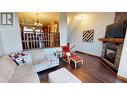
[76, 59]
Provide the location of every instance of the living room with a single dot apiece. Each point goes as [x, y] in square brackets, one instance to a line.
[84, 33]
[63, 47]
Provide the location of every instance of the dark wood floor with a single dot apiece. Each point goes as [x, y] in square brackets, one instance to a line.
[92, 71]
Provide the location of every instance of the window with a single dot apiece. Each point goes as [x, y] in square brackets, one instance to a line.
[32, 40]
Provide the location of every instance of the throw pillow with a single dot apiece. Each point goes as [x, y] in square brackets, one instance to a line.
[17, 58]
[27, 58]
[50, 57]
[21, 58]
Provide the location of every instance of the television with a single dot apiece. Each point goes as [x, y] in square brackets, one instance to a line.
[117, 30]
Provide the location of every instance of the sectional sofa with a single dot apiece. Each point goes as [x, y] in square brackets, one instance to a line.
[27, 73]
[10, 73]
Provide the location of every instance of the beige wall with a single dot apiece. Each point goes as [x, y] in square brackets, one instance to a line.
[96, 21]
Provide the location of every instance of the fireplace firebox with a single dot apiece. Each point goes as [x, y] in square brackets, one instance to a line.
[110, 54]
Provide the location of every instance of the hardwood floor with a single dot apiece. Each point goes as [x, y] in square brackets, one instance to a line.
[92, 71]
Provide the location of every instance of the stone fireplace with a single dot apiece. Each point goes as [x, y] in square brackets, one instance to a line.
[112, 48]
[111, 53]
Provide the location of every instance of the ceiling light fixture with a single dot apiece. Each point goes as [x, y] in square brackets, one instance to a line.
[37, 23]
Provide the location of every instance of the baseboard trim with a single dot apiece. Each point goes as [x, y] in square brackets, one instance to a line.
[122, 78]
[88, 54]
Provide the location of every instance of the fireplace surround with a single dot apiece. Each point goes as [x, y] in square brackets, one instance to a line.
[111, 53]
[120, 17]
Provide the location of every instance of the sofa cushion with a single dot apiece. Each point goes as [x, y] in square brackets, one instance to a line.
[36, 54]
[29, 68]
[17, 58]
[7, 67]
[27, 58]
[51, 58]
[23, 70]
[28, 78]
[40, 64]
[24, 73]
[21, 58]
[3, 79]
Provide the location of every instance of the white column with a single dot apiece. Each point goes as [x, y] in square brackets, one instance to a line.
[63, 29]
[122, 71]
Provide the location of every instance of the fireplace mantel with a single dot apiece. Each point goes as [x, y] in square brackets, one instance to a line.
[114, 40]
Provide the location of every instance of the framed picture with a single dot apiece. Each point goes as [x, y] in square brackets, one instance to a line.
[88, 36]
[6, 18]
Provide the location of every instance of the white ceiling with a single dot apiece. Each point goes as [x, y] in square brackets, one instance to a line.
[49, 17]
[44, 17]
